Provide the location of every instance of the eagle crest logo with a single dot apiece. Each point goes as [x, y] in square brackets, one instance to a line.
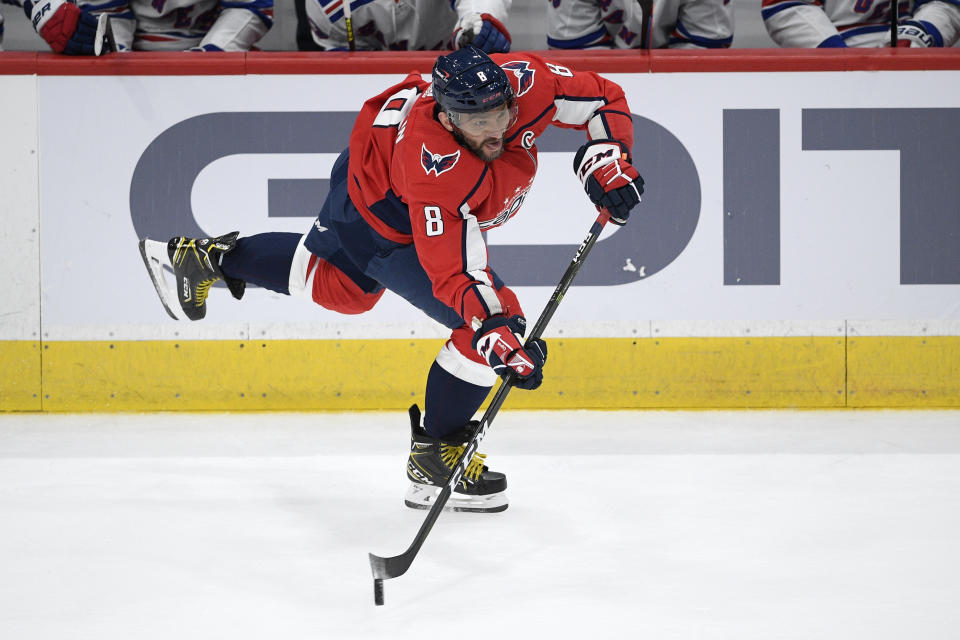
[521, 69]
[436, 162]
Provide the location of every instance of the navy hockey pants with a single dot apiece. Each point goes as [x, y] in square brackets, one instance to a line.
[364, 263]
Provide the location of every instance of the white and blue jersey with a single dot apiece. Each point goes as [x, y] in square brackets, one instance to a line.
[176, 25]
[675, 24]
[394, 25]
[855, 23]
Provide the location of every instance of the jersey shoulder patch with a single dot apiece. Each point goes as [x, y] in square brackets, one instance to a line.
[523, 72]
[436, 162]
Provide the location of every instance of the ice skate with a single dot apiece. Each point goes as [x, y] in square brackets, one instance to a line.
[430, 463]
[195, 267]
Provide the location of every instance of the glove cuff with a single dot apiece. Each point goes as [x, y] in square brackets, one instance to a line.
[42, 11]
[921, 32]
[489, 17]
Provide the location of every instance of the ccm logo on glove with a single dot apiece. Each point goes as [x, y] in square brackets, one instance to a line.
[609, 179]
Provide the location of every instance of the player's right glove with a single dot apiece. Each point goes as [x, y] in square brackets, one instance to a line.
[917, 33]
[483, 31]
[66, 28]
[497, 340]
[608, 178]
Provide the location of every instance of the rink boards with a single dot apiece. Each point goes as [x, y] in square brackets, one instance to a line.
[798, 244]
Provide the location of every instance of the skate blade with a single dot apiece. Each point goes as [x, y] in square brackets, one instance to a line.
[155, 258]
[423, 496]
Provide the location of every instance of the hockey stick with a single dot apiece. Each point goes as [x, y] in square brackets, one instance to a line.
[386, 568]
[646, 7]
[894, 18]
[348, 21]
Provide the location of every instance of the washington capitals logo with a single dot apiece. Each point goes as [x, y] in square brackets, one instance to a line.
[524, 74]
[436, 162]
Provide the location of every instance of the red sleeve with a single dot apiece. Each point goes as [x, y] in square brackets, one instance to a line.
[584, 100]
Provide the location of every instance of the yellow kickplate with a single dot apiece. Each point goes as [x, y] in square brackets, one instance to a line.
[19, 375]
[225, 375]
[903, 371]
[606, 373]
[587, 373]
[343, 375]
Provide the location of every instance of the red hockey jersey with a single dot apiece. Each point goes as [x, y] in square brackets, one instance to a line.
[413, 182]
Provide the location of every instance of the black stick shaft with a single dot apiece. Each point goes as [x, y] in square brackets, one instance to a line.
[894, 17]
[384, 568]
[646, 8]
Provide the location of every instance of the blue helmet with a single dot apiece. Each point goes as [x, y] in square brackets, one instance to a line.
[468, 81]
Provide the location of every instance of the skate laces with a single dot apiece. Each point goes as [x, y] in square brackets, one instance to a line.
[206, 262]
[450, 453]
[203, 289]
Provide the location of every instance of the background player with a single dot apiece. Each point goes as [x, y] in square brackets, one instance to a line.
[861, 23]
[79, 28]
[619, 24]
[65, 27]
[410, 24]
[430, 167]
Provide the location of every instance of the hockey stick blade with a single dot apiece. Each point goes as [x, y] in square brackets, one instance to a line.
[395, 566]
[154, 256]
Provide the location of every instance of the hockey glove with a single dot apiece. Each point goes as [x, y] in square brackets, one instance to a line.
[608, 178]
[917, 33]
[66, 28]
[483, 31]
[497, 341]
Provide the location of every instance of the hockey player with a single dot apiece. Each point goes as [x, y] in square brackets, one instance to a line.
[79, 27]
[861, 23]
[409, 25]
[619, 24]
[430, 167]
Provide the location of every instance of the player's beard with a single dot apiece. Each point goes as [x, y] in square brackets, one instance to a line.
[478, 150]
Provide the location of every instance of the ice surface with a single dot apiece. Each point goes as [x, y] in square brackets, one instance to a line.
[663, 525]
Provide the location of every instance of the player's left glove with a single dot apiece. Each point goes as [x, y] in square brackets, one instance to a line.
[917, 33]
[497, 340]
[608, 178]
[483, 31]
[66, 28]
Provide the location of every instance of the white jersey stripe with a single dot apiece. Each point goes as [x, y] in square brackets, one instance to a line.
[459, 365]
[597, 128]
[475, 248]
[576, 111]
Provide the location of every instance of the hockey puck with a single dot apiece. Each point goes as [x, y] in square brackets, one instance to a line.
[377, 591]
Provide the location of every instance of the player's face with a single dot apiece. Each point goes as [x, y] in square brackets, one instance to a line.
[483, 132]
